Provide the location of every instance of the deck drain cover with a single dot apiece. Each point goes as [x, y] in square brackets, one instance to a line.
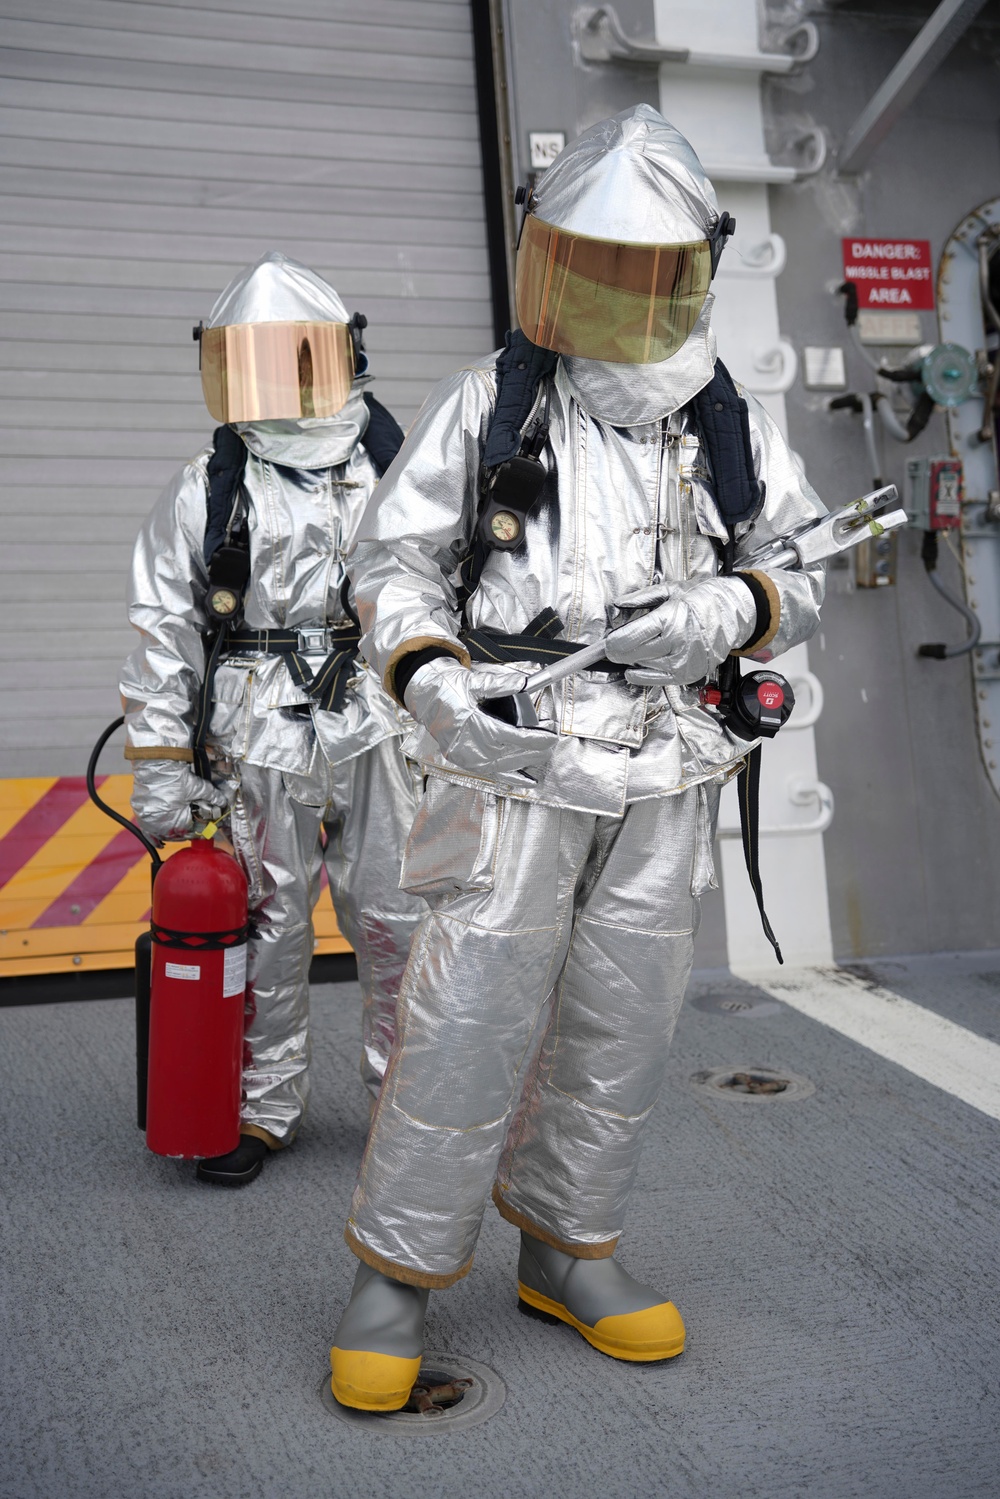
[450, 1393]
[753, 1084]
[742, 1006]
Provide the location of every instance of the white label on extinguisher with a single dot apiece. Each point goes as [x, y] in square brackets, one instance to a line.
[182, 970]
[234, 971]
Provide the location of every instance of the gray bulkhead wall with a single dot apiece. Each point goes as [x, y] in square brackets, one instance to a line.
[913, 854]
[147, 152]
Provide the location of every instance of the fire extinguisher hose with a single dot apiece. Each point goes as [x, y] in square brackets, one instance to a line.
[95, 755]
[143, 946]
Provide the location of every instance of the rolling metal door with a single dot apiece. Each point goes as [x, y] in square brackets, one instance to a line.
[147, 151]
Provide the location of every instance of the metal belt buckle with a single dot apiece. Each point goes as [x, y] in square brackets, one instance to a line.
[314, 640]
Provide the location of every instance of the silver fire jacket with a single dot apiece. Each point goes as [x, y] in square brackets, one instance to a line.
[631, 505]
[301, 523]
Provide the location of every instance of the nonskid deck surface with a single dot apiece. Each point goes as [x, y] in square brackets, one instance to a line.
[834, 1257]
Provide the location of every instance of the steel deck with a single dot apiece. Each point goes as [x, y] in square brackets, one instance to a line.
[835, 1259]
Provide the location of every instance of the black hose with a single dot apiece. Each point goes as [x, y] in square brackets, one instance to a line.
[95, 755]
[940, 651]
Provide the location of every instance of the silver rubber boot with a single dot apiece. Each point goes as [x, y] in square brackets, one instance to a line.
[383, 1316]
[615, 1313]
[589, 1289]
[376, 1351]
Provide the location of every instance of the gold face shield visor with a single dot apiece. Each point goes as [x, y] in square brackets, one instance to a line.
[268, 372]
[599, 299]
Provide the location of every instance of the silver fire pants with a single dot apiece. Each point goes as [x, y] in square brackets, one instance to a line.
[595, 915]
[366, 806]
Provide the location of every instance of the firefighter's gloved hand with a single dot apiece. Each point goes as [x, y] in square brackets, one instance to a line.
[167, 796]
[686, 630]
[444, 696]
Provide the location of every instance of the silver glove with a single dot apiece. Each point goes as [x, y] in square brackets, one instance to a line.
[167, 796]
[688, 629]
[444, 696]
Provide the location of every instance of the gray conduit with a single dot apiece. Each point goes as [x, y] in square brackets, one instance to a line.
[939, 651]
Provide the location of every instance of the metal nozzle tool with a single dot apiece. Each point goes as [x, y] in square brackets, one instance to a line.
[872, 515]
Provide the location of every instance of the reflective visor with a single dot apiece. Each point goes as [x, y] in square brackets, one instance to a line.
[268, 372]
[598, 299]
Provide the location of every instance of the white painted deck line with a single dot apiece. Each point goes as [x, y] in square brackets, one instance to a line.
[935, 1049]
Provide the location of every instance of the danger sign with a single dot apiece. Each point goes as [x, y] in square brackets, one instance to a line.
[890, 273]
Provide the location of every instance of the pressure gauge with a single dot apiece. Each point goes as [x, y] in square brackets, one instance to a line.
[505, 526]
[949, 374]
[223, 602]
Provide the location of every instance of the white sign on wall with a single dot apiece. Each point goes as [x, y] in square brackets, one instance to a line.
[545, 146]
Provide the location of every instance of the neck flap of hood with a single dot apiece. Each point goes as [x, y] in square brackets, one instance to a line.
[627, 395]
[312, 441]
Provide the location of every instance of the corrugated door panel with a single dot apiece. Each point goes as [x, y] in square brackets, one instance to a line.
[147, 152]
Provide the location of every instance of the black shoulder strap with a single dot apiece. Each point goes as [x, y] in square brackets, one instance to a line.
[720, 414]
[722, 420]
[228, 568]
[511, 475]
[521, 369]
[383, 436]
[225, 475]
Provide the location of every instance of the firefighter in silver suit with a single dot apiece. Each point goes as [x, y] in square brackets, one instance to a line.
[563, 864]
[283, 367]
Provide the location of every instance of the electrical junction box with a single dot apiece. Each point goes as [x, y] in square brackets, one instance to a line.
[825, 369]
[934, 493]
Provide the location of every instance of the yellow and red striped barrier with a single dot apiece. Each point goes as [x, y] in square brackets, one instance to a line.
[74, 887]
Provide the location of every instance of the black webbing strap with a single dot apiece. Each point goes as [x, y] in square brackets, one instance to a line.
[383, 436]
[225, 475]
[215, 650]
[748, 790]
[540, 641]
[520, 370]
[722, 421]
[327, 686]
[723, 424]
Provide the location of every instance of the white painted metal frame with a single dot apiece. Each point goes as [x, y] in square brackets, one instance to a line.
[718, 107]
[600, 38]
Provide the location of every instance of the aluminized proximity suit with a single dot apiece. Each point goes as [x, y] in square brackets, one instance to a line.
[576, 887]
[288, 769]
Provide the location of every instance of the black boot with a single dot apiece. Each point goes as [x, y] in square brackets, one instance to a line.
[236, 1169]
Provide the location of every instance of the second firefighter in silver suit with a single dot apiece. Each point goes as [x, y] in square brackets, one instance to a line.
[564, 868]
[288, 769]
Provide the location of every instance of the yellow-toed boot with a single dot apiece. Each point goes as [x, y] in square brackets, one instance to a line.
[376, 1350]
[615, 1314]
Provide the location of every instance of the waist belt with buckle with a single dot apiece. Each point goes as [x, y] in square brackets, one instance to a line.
[327, 686]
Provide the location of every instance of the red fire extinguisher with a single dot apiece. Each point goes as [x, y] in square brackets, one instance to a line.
[199, 976]
[190, 986]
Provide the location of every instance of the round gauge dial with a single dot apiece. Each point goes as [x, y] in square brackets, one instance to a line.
[505, 527]
[223, 601]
